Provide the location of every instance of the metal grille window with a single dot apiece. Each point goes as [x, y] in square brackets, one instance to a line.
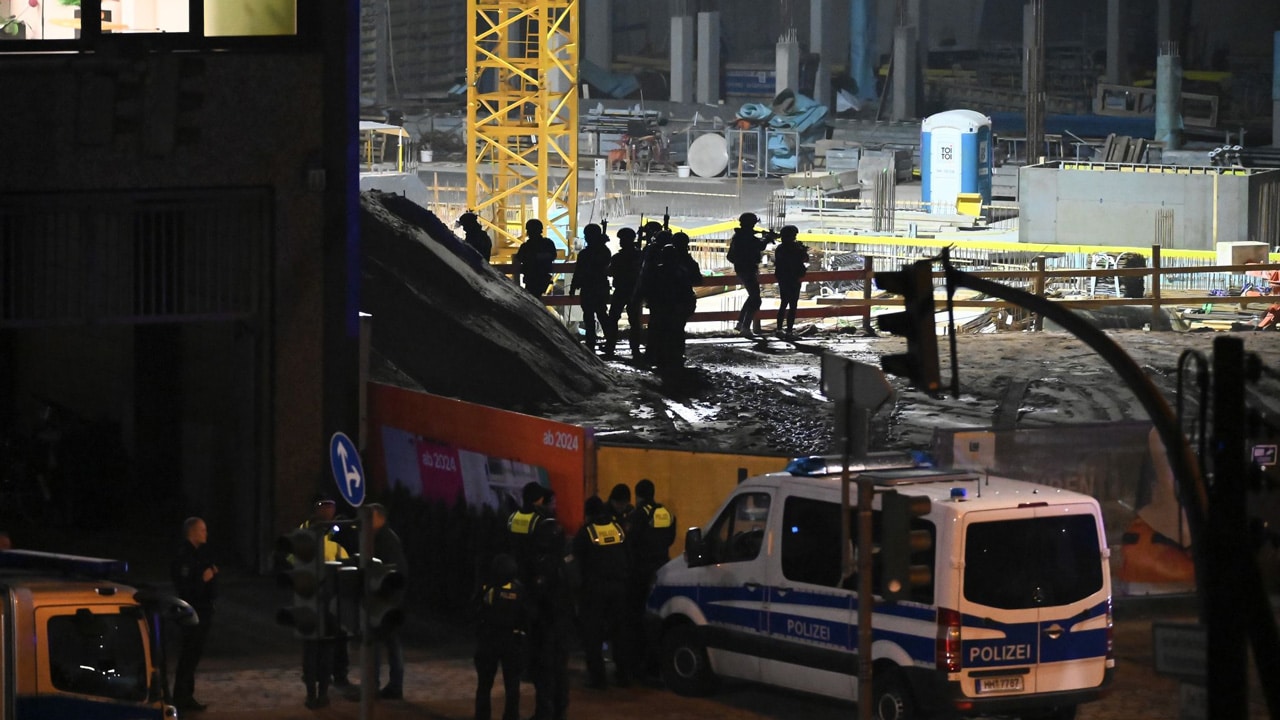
[132, 259]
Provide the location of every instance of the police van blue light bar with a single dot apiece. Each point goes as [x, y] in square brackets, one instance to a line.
[819, 465]
[82, 565]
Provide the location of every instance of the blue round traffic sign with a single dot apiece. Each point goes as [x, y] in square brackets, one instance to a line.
[347, 469]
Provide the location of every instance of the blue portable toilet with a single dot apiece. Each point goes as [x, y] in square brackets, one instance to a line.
[956, 156]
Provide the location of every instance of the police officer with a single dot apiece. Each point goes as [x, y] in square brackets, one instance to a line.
[745, 253]
[651, 532]
[534, 258]
[325, 661]
[672, 300]
[592, 277]
[624, 268]
[790, 260]
[476, 237]
[195, 578]
[600, 546]
[555, 583]
[620, 507]
[500, 636]
[523, 523]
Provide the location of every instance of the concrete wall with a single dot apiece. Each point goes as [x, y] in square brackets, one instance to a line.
[1095, 204]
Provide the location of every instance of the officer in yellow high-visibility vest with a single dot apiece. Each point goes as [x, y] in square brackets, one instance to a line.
[651, 530]
[600, 548]
[536, 505]
[325, 661]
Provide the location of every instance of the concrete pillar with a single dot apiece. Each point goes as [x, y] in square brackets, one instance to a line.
[787, 63]
[709, 58]
[682, 64]
[1115, 63]
[1169, 97]
[862, 56]
[820, 44]
[905, 70]
[597, 33]
[1164, 20]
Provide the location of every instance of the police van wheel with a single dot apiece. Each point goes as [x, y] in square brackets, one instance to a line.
[685, 667]
[892, 698]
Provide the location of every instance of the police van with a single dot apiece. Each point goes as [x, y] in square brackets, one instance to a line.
[1013, 617]
[76, 644]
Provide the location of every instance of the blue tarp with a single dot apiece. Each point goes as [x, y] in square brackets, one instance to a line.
[805, 117]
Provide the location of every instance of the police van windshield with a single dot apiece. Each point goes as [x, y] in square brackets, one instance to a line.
[98, 654]
[1032, 562]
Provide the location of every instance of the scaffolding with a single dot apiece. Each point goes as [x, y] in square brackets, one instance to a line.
[522, 118]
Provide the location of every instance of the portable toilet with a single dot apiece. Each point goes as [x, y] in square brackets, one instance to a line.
[956, 156]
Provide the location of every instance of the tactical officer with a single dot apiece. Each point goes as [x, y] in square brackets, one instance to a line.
[672, 300]
[500, 636]
[790, 261]
[647, 281]
[592, 277]
[535, 257]
[651, 532]
[476, 237]
[745, 253]
[601, 548]
[555, 583]
[624, 268]
[523, 523]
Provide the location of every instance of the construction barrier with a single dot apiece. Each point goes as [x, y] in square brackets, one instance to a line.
[443, 449]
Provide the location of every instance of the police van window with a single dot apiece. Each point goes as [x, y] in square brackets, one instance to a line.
[1032, 562]
[98, 654]
[738, 533]
[810, 544]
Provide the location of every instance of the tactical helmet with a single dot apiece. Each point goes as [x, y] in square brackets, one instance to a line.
[789, 231]
[468, 219]
[533, 226]
[748, 219]
[592, 230]
[627, 236]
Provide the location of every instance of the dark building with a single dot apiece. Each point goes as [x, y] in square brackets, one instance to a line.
[178, 268]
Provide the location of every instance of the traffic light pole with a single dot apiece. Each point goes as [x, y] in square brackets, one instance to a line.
[368, 663]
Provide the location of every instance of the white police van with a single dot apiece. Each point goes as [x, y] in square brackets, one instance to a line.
[75, 644]
[1015, 620]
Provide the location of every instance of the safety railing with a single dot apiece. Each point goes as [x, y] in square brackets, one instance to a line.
[1059, 285]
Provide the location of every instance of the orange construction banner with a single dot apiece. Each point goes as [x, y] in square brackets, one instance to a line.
[444, 435]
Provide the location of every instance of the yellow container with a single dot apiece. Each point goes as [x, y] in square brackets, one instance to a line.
[969, 204]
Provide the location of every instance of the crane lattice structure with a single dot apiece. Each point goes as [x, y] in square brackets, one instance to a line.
[522, 118]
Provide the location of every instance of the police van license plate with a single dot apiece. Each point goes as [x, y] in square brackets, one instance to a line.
[1008, 683]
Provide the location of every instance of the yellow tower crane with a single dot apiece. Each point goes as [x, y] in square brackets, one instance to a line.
[522, 116]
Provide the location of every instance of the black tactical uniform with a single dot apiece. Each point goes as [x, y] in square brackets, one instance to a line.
[600, 546]
[555, 582]
[624, 268]
[745, 252]
[535, 258]
[500, 636]
[591, 276]
[790, 260]
[651, 532]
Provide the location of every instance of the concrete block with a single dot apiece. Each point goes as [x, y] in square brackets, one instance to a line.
[1239, 253]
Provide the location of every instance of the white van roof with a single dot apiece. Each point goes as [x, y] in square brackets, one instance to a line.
[980, 491]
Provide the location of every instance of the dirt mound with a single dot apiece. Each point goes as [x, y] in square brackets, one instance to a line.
[445, 321]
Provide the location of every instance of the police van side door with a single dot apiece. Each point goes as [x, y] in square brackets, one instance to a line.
[731, 593]
[88, 656]
[810, 617]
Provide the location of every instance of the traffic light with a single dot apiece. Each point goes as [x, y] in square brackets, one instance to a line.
[899, 542]
[306, 577]
[347, 582]
[920, 363]
[383, 595]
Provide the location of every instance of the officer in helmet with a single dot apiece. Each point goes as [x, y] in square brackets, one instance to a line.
[746, 250]
[476, 237]
[534, 258]
[624, 268]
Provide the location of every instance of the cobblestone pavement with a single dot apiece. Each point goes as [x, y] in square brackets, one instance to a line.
[253, 673]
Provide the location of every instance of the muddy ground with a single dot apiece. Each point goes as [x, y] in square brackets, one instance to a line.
[741, 396]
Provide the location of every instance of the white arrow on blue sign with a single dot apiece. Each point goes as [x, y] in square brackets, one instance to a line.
[347, 470]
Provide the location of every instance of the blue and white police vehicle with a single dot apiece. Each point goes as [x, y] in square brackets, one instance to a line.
[1014, 619]
[77, 644]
